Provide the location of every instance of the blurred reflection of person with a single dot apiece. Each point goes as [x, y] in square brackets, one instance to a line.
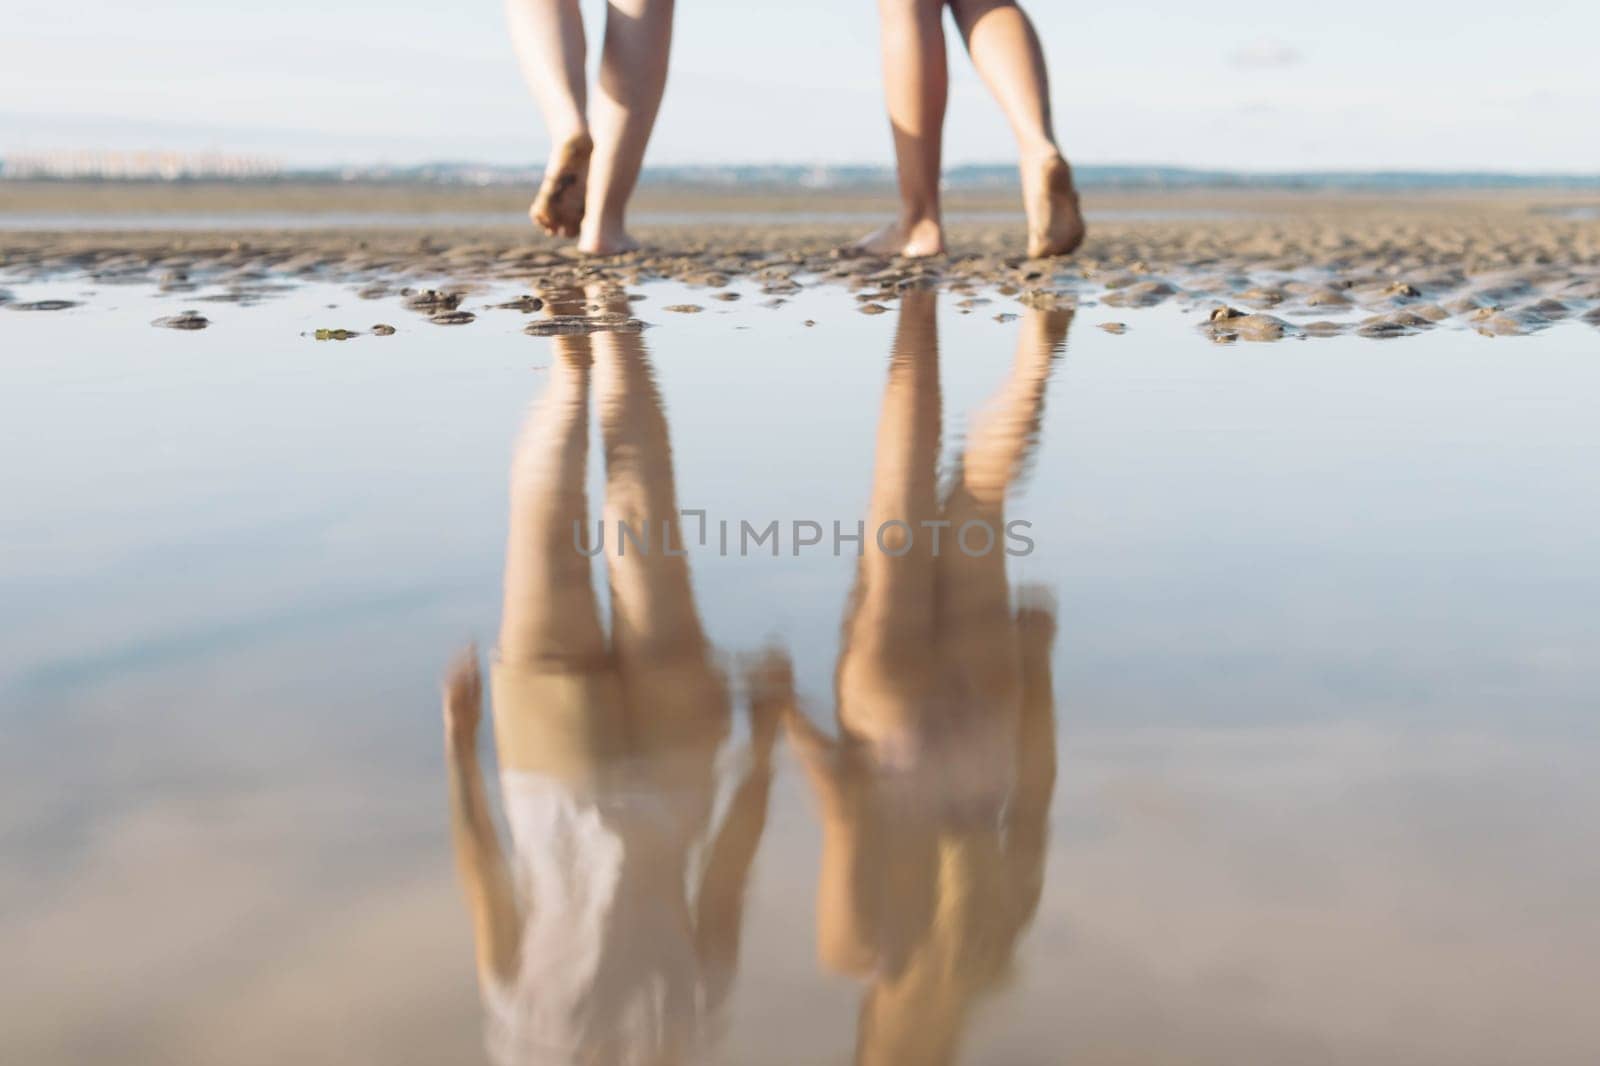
[610, 933]
[934, 797]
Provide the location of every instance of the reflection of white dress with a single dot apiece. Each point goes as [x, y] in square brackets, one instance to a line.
[607, 972]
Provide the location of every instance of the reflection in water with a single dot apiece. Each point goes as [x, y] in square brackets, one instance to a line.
[609, 936]
[934, 797]
[601, 940]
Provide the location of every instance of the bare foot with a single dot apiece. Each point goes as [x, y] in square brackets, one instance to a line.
[913, 240]
[1055, 225]
[606, 240]
[558, 207]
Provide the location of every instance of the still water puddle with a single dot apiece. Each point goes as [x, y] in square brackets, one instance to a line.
[1243, 712]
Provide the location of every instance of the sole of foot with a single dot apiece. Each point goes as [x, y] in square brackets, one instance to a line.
[558, 207]
[914, 240]
[1055, 222]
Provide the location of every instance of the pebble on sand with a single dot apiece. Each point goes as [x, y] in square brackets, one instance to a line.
[684, 309]
[524, 303]
[1398, 323]
[1114, 327]
[382, 329]
[1229, 323]
[872, 309]
[451, 318]
[433, 300]
[183, 320]
[335, 334]
[44, 305]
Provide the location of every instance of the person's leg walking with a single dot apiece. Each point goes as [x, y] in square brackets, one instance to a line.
[549, 41]
[550, 620]
[916, 85]
[633, 76]
[1005, 49]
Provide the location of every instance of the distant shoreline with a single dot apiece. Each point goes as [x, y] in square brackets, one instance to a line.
[426, 200]
[89, 169]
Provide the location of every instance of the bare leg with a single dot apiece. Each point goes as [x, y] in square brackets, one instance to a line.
[974, 597]
[885, 664]
[1006, 52]
[550, 617]
[677, 699]
[633, 75]
[916, 85]
[978, 640]
[548, 38]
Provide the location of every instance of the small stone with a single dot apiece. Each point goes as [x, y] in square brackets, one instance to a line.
[382, 329]
[44, 305]
[684, 309]
[1114, 327]
[872, 309]
[433, 300]
[183, 320]
[451, 318]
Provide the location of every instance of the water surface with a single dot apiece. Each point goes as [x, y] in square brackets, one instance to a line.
[1277, 745]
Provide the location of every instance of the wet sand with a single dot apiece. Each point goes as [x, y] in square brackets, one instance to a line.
[1254, 266]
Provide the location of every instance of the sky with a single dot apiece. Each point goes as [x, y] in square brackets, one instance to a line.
[1240, 84]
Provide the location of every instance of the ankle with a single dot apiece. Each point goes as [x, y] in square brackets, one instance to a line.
[603, 225]
[571, 137]
[1044, 156]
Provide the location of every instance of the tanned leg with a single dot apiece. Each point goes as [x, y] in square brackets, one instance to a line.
[1005, 49]
[633, 76]
[549, 41]
[916, 84]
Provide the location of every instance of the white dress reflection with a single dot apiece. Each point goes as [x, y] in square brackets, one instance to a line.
[611, 935]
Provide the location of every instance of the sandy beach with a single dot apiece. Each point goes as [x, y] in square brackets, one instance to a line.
[1262, 262]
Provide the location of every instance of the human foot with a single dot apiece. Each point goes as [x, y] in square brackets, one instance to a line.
[558, 207]
[913, 240]
[1055, 224]
[606, 240]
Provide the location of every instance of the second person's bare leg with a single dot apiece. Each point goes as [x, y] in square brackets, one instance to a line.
[633, 76]
[916, 85]
[548, 38]
[1005, 49]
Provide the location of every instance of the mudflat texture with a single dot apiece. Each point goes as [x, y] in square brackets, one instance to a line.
[1268, 265]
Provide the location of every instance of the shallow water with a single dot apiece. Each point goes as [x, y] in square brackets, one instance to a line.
[1310, 623]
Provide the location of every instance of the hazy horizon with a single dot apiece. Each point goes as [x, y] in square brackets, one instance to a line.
[1246, 87]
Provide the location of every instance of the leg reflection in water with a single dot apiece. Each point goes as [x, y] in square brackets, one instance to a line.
[601, 938]
[934, 797]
